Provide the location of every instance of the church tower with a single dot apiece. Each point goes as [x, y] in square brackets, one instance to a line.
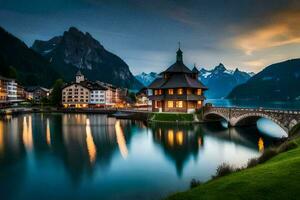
[79, 77]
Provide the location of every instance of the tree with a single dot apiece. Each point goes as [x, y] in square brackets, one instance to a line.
[132, 96]
[12, 72]
[55, 97]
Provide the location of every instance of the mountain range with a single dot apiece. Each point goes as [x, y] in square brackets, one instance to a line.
[61, 57]
[279, 81]
[20, 62]
[77, 50]
[219, 80]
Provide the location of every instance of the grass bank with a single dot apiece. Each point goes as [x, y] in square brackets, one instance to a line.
[277, 178]
[172, 117]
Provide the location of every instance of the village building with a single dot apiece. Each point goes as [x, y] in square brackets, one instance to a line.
[178, 89]
[36, 93]
[3, 90]
[10, 90]
[85, 93]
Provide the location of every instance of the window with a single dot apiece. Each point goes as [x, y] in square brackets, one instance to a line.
[179, 104]
[156, 92]
[170, 104]
[170, 91]
[180, 91]
[189, 91]
[199, 91]
[199, 103]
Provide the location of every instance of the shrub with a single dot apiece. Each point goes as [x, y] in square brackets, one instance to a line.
[286, 146]
[173, 117]
[267, 155]
[194, 183]
[223, 170]
[252, 162]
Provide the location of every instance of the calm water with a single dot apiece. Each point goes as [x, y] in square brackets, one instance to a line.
[76, 156]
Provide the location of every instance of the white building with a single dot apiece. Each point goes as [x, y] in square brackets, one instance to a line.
[98, 97]
[11, 88]
[83, 93]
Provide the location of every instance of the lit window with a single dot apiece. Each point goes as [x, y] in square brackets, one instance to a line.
[199, 91]
[199, 102]
[179, 104]
[170, 91]
[180, 91]
[156, 92]
[189, 91]
[160, 92]
[170, 104]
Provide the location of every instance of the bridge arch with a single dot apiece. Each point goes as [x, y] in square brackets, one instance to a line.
[294, 126]
[251, 119]
[214, 116]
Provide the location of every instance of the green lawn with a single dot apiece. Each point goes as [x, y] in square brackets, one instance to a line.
[278, 178]
[172, 117]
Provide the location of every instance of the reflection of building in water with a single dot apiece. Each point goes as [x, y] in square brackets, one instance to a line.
[81, 142]
[1, 138]
[239, 136]
[27, 133]
[90, 140]
[179, 143]
[48, 134]
[121, 140]
[261, 144]
[91, 147]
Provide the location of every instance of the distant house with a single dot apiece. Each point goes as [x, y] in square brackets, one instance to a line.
[142, 98]
[178, 89]
[36, 93]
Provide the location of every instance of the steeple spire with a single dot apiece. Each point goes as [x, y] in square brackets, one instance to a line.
[179, 54]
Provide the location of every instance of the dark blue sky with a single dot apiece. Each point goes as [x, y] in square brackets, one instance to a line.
[248, 34]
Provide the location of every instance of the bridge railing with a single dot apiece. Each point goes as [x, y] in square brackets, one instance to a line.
[260, 109]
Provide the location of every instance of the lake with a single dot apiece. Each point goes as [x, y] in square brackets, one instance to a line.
[89, 156]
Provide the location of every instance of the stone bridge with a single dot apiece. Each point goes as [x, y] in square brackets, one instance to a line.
[286, 119]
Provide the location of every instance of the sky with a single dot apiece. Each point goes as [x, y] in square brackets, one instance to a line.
[245, 34]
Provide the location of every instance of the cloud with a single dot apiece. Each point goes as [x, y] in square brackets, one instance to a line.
[283, 29]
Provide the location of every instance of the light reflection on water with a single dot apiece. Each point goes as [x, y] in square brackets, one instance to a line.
[92, 156]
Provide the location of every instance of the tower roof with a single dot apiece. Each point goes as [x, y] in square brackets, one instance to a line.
[195, 70]
[178, 66]
[79, 73]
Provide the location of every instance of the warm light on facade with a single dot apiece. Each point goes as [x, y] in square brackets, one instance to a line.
[189, 91]
[179, 104]
[170, 91]
[199, 92]
[170, 104]
[180, 91]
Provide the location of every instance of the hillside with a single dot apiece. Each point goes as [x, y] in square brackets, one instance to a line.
[278, 81]
[278, 178]
[19, 61]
